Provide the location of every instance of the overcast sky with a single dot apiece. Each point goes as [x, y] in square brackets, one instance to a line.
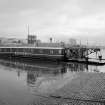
[61, 19]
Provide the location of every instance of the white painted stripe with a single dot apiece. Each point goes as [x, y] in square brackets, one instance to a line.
[35, 47]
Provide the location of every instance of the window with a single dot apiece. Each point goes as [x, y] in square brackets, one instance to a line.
[51, 51]
[40, 51]
[60, 51]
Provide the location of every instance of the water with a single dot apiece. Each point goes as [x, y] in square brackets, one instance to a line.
[27, 83]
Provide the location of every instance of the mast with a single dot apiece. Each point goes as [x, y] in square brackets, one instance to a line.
[28, 30]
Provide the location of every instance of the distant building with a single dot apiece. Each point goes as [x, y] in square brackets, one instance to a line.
[10, 41]
[32, 39]
[72, 41]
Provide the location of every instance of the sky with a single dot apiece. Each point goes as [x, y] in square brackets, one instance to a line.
[60, 19]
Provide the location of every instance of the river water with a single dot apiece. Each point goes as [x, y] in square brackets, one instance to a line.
[29, 83]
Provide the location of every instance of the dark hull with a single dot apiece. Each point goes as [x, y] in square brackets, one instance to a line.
[33, 57]
[87, 62]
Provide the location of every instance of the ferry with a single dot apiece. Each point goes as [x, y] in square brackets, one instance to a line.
[49, 53]
[71, 54]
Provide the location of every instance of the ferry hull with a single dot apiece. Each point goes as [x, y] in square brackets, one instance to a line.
[33, 53]
[32, 56]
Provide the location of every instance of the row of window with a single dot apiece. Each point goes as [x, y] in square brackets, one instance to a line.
[33, 51]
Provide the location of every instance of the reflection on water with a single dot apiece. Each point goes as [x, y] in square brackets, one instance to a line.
[37, 78]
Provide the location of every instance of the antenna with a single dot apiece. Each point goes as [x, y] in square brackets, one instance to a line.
[28, 30]
[87, 42]
[28, 34]
[80, 42]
